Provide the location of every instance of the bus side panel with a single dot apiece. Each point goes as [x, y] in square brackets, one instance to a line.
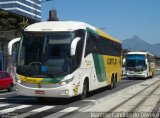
[102, 67]
[112, 66]
[97, 75]
[99, 67]
[151, 68]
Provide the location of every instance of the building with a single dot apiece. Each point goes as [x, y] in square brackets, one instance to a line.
[27, 8]
[23, 11]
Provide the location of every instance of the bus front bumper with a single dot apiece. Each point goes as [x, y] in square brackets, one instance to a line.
[136, 75]
[64, 91]
[132, 74]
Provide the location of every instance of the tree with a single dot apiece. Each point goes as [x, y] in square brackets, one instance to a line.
[7, 22]
[23, 24]
[7, 28]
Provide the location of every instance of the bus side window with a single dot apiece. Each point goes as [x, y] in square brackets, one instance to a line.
[91, 44]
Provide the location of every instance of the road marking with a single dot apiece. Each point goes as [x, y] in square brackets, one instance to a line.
[35, 111]
[89, 100]
[62, 112]
[42, 108]
[3, 105]
[82, 109]
[13, 109]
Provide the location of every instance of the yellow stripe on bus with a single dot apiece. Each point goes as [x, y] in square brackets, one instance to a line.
[106, 35]
[30, 79]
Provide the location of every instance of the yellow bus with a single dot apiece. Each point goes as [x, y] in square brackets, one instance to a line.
[65, 59]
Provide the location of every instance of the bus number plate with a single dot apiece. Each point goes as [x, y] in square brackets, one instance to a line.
[39, 92]
[131, 72]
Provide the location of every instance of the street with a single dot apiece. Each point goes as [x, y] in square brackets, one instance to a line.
[19, 106]
[79, 59]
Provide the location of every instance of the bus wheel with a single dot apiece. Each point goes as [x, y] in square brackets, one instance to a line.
[84, 90]
[113, 83]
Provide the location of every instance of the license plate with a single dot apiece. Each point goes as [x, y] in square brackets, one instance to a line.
[39, 92]
[131, 72]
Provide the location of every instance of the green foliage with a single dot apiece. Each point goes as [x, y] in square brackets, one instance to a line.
[6, 22]
[4, 13]
[23, 24]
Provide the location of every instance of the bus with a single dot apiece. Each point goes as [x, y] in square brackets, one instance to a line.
[139, 64]
[65, 59]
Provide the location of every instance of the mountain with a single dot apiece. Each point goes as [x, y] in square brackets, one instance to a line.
[137, 44]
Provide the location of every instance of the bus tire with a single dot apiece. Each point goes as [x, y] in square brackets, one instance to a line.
[113, 83]
[84, 90]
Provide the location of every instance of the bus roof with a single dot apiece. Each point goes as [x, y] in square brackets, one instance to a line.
[49, 26]
[142, 53]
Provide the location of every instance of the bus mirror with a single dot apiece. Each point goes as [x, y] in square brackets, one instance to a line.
[11, 43]
[124, 61]
[74, 45]
[146, 61]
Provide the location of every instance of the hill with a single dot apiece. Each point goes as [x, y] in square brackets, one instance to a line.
[137, 44]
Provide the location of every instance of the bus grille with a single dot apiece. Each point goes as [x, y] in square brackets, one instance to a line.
[42, 85]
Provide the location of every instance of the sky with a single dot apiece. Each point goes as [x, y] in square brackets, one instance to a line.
[121, 19]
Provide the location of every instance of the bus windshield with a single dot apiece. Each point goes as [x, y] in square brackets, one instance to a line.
[135, 62]
[45, 54]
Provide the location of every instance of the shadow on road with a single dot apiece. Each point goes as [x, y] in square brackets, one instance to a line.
[50, 101]
[3, 91]
[41, 101]
[135, 78]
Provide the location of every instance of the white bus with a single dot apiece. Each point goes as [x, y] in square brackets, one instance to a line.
[139, 64]
[65, 59]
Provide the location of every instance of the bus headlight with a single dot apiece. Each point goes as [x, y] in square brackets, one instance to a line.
[67, 79]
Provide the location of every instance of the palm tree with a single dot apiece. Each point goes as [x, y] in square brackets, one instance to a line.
[23, 24]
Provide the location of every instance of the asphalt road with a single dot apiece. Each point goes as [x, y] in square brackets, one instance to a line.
[14, 105]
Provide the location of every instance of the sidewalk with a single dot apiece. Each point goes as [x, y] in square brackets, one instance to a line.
[125, 101]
